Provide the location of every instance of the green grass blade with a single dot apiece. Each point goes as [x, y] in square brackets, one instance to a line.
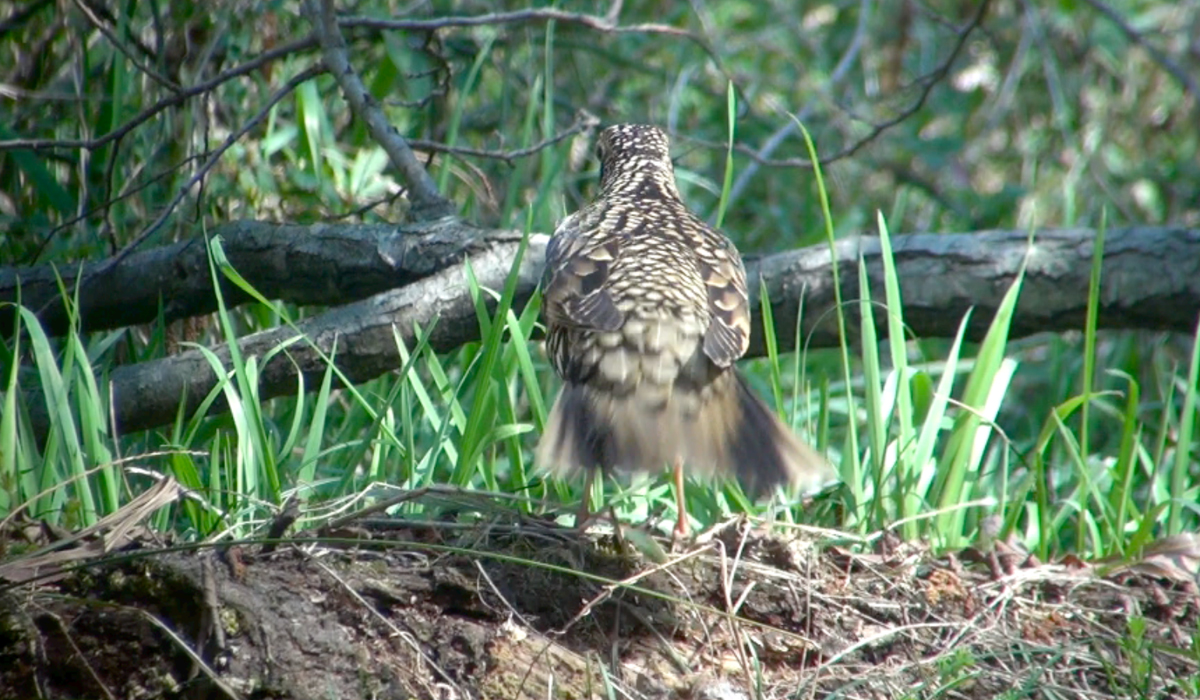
[310, 112]
[307, 473]
[183, 467]
[872, 395]
[908, 501]
[256, 459]
[1121, 496]
[851, 471]
[521, 330]
[10, 447]
[298, 410]
[935, 415]
[727, 182]
[93, 427]
[985, 386]
[41, 180]
[1089, 338]
[547, 157]
[521, 172]
[772, 344]
[460, 105]
[1185, 444]
[63, 429]
[478, 419]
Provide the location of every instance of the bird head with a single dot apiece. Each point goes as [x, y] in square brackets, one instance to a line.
[635, 159]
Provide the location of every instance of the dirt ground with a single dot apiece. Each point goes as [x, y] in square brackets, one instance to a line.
[526, 609]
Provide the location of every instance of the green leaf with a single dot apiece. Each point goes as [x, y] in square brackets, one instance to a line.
[40, 178]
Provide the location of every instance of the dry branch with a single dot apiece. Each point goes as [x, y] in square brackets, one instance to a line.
[1151, 280]
[318, 264]
[359, 336]
[427, 202]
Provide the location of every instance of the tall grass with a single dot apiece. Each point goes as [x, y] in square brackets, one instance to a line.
[934, 462]
[1084, 446]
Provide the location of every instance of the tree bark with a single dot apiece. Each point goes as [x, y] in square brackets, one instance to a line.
[358, 335]
[318, 264]
[1150, 280]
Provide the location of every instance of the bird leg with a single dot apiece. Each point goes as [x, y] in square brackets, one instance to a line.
[681, 525]
[585, 511]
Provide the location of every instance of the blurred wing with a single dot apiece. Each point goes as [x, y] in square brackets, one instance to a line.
[574, 283]
[728, 333]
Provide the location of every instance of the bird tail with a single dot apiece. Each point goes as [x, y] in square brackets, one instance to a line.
[724, 428]
[593, 429]
[737, 432]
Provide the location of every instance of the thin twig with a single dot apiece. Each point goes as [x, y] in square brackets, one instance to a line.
[427, 202]
[1135, 37]
[608, 24]
[929, 81]
[80, 656]
[120, 47]
[728, 575]
[200, 174]
[607, 591]
[174, 100]
[198, 660]
[131, 188]
[603, 24]
[580, 125]
[496, 590]
[840, 71]
[408, 637]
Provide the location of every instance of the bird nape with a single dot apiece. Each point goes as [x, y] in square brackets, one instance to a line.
[646, 311]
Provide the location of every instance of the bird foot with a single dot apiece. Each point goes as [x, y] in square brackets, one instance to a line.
[681, 537]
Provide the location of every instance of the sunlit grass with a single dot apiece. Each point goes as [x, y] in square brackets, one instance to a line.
[1081, 446]
[933, 462]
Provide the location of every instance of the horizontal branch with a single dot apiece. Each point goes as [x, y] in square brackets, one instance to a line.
[1151, 280]
[359, 336]
[317, 264]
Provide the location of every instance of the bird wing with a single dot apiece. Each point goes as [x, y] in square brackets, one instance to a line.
[574, 283]
[728, 333]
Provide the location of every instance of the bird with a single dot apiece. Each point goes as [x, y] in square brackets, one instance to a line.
[646, 311]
